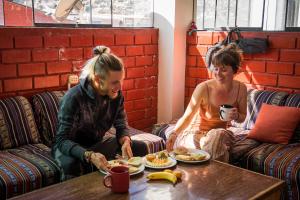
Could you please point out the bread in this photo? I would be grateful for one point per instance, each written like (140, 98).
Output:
(135, 161)
(133, 169)
(181, 150)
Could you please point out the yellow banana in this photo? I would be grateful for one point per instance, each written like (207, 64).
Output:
(162, 175)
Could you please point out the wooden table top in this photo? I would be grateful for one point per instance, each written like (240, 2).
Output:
(210, 180)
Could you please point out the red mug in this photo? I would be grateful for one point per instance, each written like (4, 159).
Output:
(118, 178)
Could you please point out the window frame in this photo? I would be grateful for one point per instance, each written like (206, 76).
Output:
(289, 28)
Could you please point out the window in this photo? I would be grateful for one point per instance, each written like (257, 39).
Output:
(1, 14)
(105, 13)
(248, 14)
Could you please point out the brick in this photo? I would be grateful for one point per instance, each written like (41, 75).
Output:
(87, 53)
(141, 83)
(298, 43)
(64, 79)
(289, 81)
(154, 37)
(16, 56)
(280, 67)
(28, 41)
(137, 72)
(135, 94)
(151, 71)
(141, 104)
(59, 67)
(243, 77)
(144, 124)
(46, 81)
(254, 66)
(71, 54)
(142, 39)
(135, 115)
(191, 60)
(6, 42)
(129, 61)
(151, 92)
(1, 88)
(194, 72)
(290, 55)
(197, 50)
(31, 69)
(81, 40)
(151, 49)
(191, 39)
(104, 39)
(128, 106)
(205, 39)
(124, 39)
(297, 69)
(7, 71)
(251, 86)
(152, 81)
(134, 50)
(143, 60)
(272, 54)
(56, 41)
(264, 79)
(190, 82)
(45, 55)
(279, 89)
(118, 50)
(128, 84)
(282, 42)
(11, 85)
(201, 61)
(151, 113)
(78, 65)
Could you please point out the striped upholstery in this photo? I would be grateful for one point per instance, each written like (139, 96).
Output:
(255, 100)
(277, 160)
(46, 106)
(17, 125)
(26, 168)
(293, 100)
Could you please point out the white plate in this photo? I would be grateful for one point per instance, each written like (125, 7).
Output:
(173, 163)
(197, 151)
(141, 169)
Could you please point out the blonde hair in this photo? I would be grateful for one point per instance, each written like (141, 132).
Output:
(102, 62)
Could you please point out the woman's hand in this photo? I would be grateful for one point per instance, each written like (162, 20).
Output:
(233, 114)
(171, 141)
(99, 161)
(126, 149)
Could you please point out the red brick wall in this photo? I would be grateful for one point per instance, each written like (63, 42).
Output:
(278, 69)
(38, 59)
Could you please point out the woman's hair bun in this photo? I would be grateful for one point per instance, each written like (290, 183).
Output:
(99, 50)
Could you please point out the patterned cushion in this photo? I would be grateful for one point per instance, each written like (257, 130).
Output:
(293, 100)
(25, 169)
(255, 100)
(277, 160)
(17, 125)
(46, 106)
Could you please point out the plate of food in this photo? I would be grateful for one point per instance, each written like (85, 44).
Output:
(134, 164)
(188, 155)
(159, 160)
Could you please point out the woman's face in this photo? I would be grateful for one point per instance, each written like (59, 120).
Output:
(223, 73)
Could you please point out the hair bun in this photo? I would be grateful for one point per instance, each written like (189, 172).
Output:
(99, 50)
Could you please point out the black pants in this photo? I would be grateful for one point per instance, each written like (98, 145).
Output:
(109, 147)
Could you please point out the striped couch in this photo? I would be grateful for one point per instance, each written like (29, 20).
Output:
(26, 133)
(277, 160)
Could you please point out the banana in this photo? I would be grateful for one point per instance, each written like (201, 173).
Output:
(162, 175)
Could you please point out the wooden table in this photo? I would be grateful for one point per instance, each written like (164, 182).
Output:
(210, 180)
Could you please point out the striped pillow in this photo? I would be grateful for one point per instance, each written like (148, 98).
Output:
(293, 100)
(255, 100)
(17, 125)
(46, 106)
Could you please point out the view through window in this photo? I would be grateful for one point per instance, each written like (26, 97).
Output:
(1, 14)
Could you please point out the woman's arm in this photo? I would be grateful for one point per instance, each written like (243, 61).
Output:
(242, 104)
(191, 109)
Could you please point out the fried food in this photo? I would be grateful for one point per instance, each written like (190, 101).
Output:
(135, 161)
(183, 157)
(150, 157)
(181, 150)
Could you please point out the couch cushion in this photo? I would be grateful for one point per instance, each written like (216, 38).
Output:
(46, 106)
(277, 160)
(293, 100)
(255, 100)
(17, 125)
(26, 168)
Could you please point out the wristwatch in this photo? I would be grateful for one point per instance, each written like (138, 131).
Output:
(88, 156)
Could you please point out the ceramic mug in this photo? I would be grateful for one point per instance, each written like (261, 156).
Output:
(117, 179)
(224, 112)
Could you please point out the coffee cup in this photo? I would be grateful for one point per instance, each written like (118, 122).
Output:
(117, 179)
(224, 112)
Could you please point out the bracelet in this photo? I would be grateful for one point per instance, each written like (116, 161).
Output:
(88, 156)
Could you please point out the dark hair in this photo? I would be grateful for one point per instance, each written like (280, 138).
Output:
(228, 55)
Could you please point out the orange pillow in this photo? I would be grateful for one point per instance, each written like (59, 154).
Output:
(275, 124)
